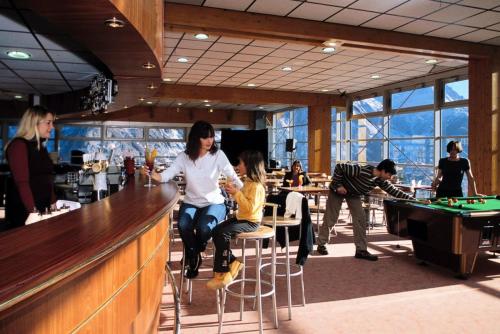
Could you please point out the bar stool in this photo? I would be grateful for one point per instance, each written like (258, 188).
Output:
(188, 282)
(286, 223)
(263, 232)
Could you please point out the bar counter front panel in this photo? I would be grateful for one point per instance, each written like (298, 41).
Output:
(99, 269)
(447, 236)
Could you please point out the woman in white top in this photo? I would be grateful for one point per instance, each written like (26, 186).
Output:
(203, 207)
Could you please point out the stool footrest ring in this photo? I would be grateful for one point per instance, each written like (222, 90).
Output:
(246, 280)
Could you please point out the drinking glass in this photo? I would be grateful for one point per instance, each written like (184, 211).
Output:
(150, 164)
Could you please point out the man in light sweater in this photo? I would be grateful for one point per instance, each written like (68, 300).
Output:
(350, 182)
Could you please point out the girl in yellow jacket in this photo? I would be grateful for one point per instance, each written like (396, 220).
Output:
(250, 201)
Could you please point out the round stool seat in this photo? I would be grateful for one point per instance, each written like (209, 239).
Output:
(263, 232)
(281, 221)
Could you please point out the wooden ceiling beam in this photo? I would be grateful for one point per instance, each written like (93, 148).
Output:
(252, 25)
(246, 95)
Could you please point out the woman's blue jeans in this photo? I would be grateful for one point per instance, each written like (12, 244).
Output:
(196, 225)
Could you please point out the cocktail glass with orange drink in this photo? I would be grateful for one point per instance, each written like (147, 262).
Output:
(150, 156)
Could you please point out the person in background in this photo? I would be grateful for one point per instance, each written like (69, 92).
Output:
(350, 182)
(203, 206)
(30, 187)
(296, 175)
(448, 181)
(250, 199)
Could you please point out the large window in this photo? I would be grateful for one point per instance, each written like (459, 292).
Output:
(413, 129)
(291, 124)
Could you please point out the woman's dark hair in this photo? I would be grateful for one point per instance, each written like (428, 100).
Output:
(254, 163)
(454, 144)
(297, 162)
(200, 129)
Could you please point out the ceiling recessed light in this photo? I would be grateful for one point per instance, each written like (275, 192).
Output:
(286, 68)
(261, 107)
(375, 76)
(149, 102)
(201, 36)
(182, 60)
(210, 110)
(206, 101)
(431, 61)
(179, 103)
(325, 90)
(114, 23)
(167, 79)
(148, 65)
(208, 105)
(152, 86)
(18, 54)
(328, 49)
(141, 99)
(18, 96)
(251, 85)
(125, 107)
(330, 42)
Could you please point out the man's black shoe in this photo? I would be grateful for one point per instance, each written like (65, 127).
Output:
(321, 250)
(363, 254)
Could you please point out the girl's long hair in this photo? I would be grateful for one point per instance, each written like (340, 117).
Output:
(254, 163)
(28, 126)
(200, 129)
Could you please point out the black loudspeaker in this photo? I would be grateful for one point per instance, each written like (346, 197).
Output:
(290, 145)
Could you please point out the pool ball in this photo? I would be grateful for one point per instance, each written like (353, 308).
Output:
(454, 200)
(450, 204)
(484, 201)
(472, 201)
(460, 206)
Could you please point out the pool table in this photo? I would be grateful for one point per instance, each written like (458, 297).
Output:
(445, 235)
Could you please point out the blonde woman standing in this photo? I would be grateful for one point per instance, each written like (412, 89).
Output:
(30, 186)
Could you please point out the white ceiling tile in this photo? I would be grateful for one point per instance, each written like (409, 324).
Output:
(229, 69)
(339, 3)
(482, 20)
(218, 55)
(256, 50)
(274, 60)
(351, 17)
(170, 42)
(264, 66)
(226, 47)
(65, 56)
(228, 4)
(311, 11)
(39, 74)
(188, 53)
(338, 58)
(244, 57)
(417, 8)
(234, 40)
(280, 8)
(352, 52)
(376, 6)
(495, 27)
(450, 31)
(173, 34)
(452, 14)
(197, 45)
(420, 27)
(405, 58)
(387, 22)
(77, 68)
(29, 65)
(236, 63)
(486, 4)
(18, 40)
(267, 44)
(286, 53)
(313, 56)
(364, 61)
(197, 72)
(210, 61)
(9, 20)
(297, 47)
(381, 55)
(479, 35)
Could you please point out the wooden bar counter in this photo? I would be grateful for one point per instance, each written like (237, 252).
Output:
(99, 269)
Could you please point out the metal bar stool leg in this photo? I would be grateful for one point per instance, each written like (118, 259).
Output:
(243, 276)
(258, 259)
(288, 283)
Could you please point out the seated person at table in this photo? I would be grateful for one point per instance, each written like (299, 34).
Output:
(451, 171)
(296, 176)
(250, 201)
(350, 182)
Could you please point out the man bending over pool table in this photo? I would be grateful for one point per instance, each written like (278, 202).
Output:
(350, 182)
